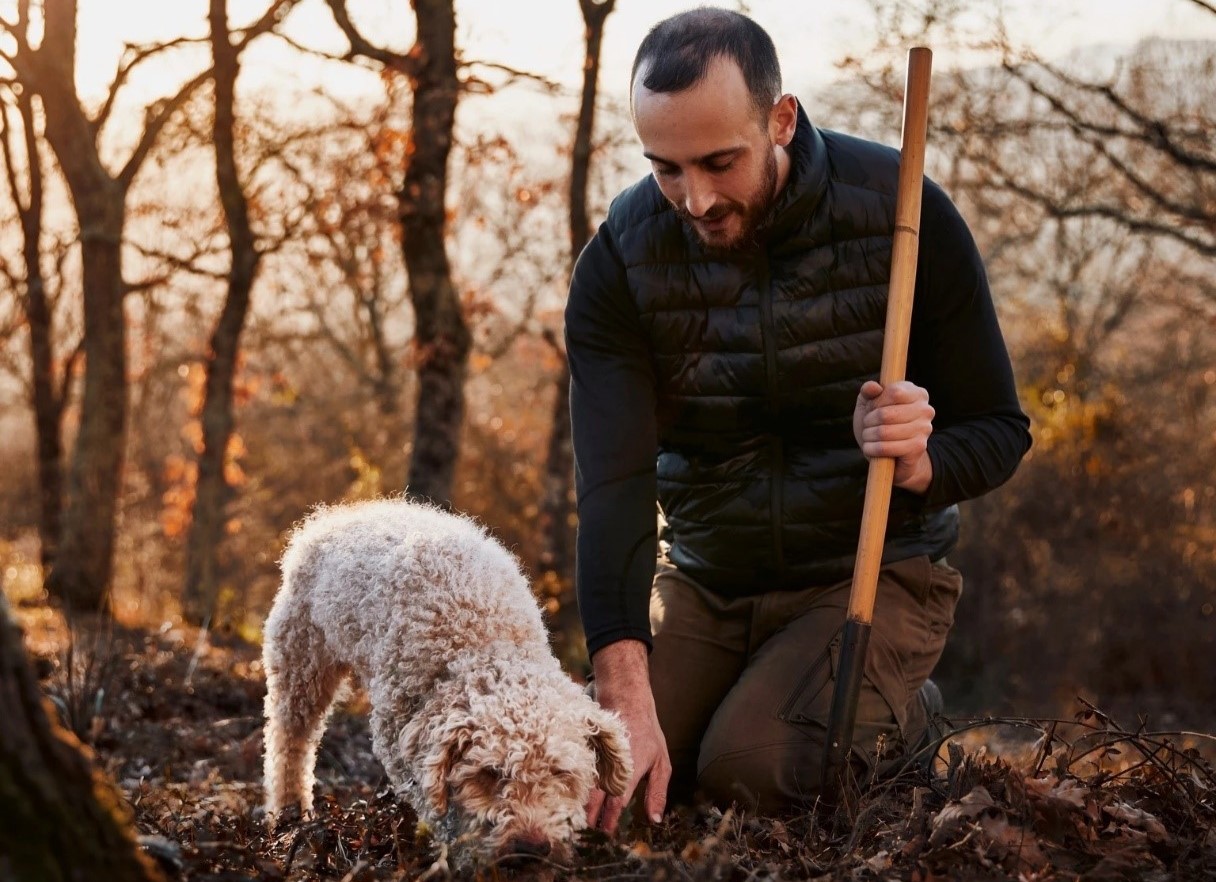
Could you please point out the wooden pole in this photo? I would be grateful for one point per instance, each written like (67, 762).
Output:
(905, 244)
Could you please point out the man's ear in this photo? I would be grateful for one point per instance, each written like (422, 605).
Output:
(783, 120)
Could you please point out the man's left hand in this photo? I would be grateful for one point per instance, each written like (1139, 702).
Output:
(896, 422)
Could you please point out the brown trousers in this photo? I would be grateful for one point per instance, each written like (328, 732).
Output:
(743, 686)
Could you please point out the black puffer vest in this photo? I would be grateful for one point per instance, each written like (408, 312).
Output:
(758, 358)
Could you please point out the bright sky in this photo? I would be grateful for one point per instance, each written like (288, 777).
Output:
(545, 36)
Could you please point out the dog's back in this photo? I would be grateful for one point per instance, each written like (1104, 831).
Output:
(372, 568)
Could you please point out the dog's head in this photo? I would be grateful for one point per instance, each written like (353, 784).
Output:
(513, 778)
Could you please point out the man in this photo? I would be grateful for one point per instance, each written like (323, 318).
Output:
(724, 332)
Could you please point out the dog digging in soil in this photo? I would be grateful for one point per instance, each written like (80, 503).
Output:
(474, 721)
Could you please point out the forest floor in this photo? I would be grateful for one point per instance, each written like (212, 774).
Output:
(174, 716)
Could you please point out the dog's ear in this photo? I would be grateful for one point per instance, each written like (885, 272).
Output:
(609, 741)
(449, 749)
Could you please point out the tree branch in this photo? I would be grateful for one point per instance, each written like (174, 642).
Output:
(132, 57)
(158, 116)
(1113, 212)
(275, 14)
(1153, 132)
(308, 50)
(182, 264)
(359, 45)
(551, 87)
(1189, 212)
(6, 145)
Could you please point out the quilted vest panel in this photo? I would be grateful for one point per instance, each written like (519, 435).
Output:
(758, 358)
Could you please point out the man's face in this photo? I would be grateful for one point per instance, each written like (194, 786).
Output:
(713, 157)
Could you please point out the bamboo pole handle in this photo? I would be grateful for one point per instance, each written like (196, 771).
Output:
(899, 320)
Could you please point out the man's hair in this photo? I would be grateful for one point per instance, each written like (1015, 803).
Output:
(679, 50)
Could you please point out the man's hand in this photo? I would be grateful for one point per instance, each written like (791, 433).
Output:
(622, 684)
(896, 422)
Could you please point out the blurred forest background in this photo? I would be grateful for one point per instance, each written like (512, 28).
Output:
(222, 304)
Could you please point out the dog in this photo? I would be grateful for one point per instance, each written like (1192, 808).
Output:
(475, 723)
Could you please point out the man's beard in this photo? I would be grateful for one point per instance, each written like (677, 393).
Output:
(754, 213)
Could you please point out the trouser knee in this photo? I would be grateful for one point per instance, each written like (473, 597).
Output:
(768, 779)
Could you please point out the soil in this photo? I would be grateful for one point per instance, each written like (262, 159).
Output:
(174, 716)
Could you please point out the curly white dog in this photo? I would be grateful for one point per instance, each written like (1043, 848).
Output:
(472, 717)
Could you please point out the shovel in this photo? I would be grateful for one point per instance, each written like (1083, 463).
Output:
(856, 635)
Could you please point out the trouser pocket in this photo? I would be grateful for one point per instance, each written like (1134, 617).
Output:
(884, 694)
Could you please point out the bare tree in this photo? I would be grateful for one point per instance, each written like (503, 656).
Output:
(442, 340)
(60, 819)
(80, 573)
(212, 491)
(48, 393)
(83, 563)
(558, 506)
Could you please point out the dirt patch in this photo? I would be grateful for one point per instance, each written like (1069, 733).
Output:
(175, 717)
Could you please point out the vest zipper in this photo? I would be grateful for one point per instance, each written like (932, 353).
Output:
(768, 333)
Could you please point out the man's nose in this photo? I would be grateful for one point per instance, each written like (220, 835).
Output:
(699, 196)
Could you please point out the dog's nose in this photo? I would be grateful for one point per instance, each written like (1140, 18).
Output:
(527, 849)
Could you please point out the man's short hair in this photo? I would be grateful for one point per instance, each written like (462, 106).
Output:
(679, 50)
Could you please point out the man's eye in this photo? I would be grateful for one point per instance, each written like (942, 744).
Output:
(665, 172)
(721, 166)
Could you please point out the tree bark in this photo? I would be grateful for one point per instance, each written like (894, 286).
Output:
(558, 506)
(203, 570)
(80, 571)
(442, 339)
(83, 563)
(60, 819)
(46, 401)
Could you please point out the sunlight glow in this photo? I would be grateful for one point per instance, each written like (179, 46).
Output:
(809, 37)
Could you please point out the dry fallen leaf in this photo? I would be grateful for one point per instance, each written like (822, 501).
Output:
(951, 819)
(1138, 820)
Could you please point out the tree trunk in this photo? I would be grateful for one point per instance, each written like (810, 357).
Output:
(442, 339)
(60, 819)
(212, 490)
(46, 402)
(80, 573)
(48, 407)
(558, 507)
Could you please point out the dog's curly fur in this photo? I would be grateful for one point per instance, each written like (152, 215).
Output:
(472, 717)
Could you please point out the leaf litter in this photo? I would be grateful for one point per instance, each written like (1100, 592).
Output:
(180, 731)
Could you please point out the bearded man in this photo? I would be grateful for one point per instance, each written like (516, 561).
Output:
(724, 331)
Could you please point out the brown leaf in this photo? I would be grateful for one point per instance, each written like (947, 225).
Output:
(1138, 820)
(951, 819)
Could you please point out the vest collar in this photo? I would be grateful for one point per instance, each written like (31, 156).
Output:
(808, 179)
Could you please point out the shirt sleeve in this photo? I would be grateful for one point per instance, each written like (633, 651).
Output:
(612, 412)
(957, 353)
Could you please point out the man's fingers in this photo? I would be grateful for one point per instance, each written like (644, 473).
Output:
(595, 804)
(894, 414)
(896, 432)
(896, 393)
(613, 807)
(870, 390)
(656, 790)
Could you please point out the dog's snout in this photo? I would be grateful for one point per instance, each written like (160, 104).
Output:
(523, 849)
